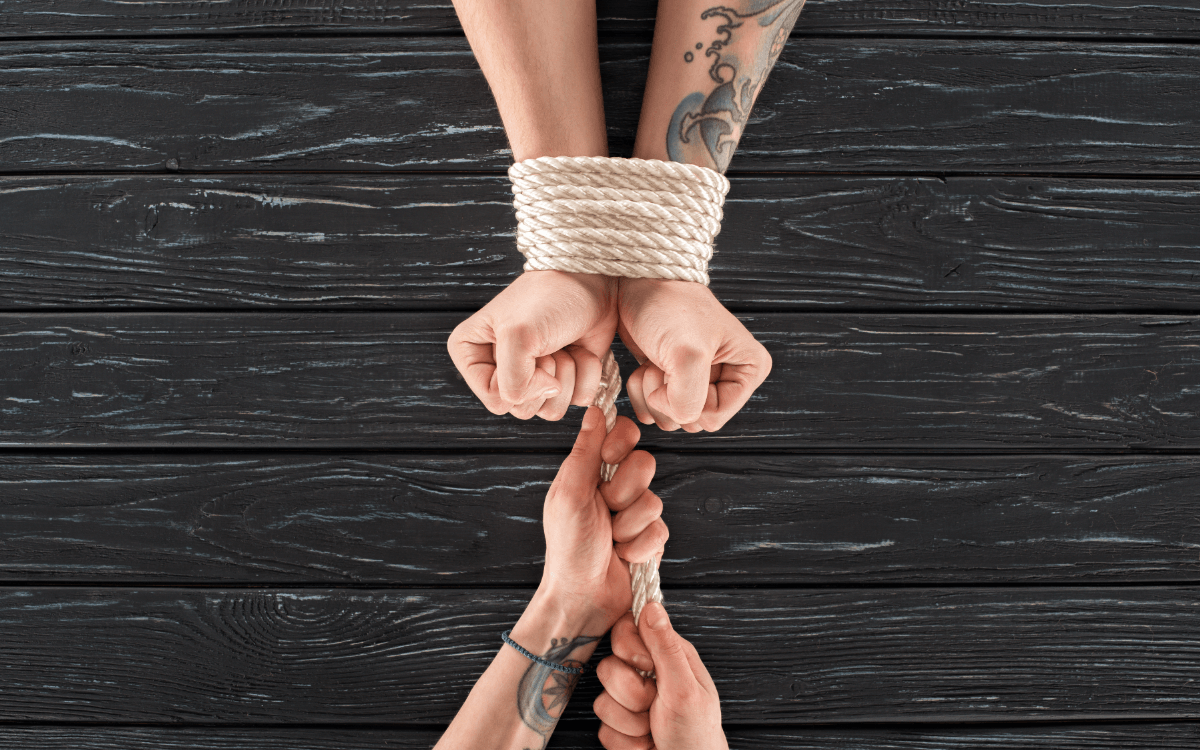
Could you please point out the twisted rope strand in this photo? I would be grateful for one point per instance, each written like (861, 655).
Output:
(645, 581)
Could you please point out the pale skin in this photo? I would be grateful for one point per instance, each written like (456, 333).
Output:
(593, 530)
(676, 710)
(535, 348)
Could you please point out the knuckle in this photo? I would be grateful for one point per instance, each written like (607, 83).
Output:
(661, 533)
(524, 334)
(553, 413)
(496, 407)
(765, 362)
(653, 504)
(645, 460)
(685, 354)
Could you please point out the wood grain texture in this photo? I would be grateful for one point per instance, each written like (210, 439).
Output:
(734, 520)
(413, 104)
(384, 380)
(440, 241)
(1139, 736)
(22, 18)
(777, 656)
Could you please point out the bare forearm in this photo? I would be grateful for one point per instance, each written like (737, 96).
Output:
(542, 63)
(708, 64)
(517, 703)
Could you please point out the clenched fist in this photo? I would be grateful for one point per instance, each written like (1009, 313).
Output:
(699, 364)
(536, 347)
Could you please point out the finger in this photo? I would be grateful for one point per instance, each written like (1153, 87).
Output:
(611, 739)
(698, 668)
(631, 480)
(627, 644)
(587, 375)
(472, 353)
(626, 686)
(654, 381)
(634, 519)
(618, 717)
(580, 473)
(637, 395)
(709, 414)
(646, 545)
(671, 667)
(518, 378)
(734, 385)
(686, 388)
(555, 408)
(527, 409)
(624, 436)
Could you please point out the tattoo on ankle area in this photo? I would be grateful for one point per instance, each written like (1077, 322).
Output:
(705, 130)
(543, 692)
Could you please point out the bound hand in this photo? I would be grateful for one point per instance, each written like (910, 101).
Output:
(536, 347)
(679, 712)
(699, 364)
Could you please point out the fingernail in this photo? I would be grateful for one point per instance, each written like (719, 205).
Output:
(642, 662)
(655, 616)
(550, 393)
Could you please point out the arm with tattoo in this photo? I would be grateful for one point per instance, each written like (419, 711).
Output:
(706, 68)
(517, 702)
(585, 588)
(708, 64)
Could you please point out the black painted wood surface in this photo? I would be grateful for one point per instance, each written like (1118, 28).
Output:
(431, 519)
(776, 655)
(364, 103)
(19, 18)
(1129, 736)
(419, 242)
(276, 308)
(384, 380)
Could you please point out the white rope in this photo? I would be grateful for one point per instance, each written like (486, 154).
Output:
(636, 218)
(644, 575)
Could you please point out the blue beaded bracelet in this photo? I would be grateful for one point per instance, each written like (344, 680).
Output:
(540, 660)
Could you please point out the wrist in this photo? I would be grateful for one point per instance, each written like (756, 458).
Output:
(555, 615)
(596, 283)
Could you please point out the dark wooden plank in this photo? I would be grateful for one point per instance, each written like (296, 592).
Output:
(384, 380)
(735, 520)
(777, 656)
(412, 104)
(1139, 736)
(439, 241)
(23, 18)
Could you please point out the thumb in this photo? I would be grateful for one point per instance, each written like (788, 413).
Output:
(683, 396)
(518, 378)
(580, 473)
(671, 667)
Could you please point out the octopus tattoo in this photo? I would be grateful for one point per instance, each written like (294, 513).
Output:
(716, 121)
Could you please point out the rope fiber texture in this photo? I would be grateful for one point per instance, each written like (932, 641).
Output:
(636, 218)
(645, 574)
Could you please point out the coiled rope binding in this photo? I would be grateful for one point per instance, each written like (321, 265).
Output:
(636, 218)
